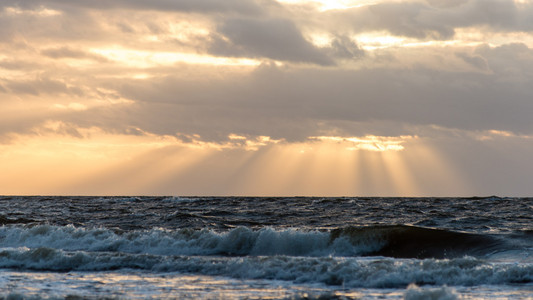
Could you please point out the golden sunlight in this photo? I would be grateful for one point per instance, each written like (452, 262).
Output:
(378, 40)
(58, 159)
(146, 59)
(369, 142)
(333, 4)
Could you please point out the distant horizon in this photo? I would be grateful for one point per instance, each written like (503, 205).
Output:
(258, 196)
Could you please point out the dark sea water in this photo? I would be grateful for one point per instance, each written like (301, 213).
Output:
(265, 248)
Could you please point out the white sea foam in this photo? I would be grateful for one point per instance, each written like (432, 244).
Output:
(239, 241)
(341, 271)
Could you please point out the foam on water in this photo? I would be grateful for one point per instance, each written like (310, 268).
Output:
(343, 271)
(239, 241)
(391, 241)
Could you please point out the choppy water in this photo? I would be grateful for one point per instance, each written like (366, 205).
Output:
(256, 248)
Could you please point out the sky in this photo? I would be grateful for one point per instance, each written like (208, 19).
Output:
(266, 97)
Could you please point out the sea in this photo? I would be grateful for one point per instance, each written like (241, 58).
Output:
(265, 248)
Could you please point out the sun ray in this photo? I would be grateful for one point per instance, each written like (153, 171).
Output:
(142, 164)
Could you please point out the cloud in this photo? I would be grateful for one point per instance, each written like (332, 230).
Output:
(476, 61)
(409, 20)
(402, 19)
(515, 60)
(277, 39)
(481, 88)
(57, 127)
(205, 6)
(37, 86)
(16, 64)
(68, 52)
(439, 20)
(446, 3)
(28, 26)
(296, 102)
(345, 48)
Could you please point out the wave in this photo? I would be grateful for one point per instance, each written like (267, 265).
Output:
(350, 256)
(5, 220)
(389, 241)
(417, 242)
(238, 241)
(338, 271)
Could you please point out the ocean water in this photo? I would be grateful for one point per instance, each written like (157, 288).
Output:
(265, 248)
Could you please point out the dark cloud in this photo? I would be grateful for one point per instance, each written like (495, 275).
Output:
(277, 39)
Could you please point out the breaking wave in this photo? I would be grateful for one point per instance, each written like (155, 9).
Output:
(389, 241)
(375, 256)
(348, 272)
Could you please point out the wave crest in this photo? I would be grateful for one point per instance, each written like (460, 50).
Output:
(403, 241)
(238, 241)
(390, 241)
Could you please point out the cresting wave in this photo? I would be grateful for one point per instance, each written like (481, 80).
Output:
(237, 242)
(390, 241)
(418, 242)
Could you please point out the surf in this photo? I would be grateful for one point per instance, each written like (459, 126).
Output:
(396, 241)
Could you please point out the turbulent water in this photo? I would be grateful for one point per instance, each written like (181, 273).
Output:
(273, 248)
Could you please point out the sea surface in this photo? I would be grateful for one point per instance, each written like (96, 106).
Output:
(265, 248)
